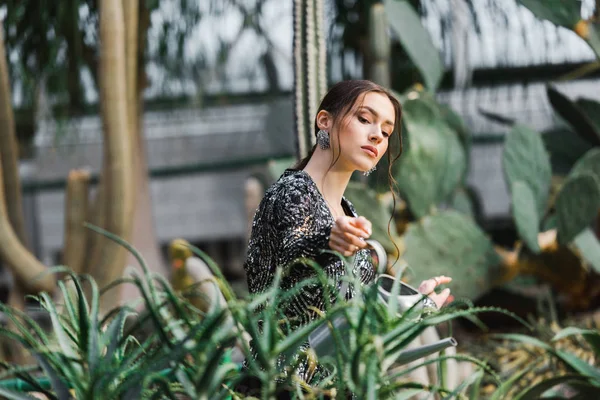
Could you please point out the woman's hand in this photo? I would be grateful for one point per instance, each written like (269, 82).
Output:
(428, 286)
(348, 234)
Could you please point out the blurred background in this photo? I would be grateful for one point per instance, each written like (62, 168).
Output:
(217, 86)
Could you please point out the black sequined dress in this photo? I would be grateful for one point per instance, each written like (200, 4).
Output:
(294, 221)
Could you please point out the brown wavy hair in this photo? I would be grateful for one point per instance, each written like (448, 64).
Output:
(341, 99)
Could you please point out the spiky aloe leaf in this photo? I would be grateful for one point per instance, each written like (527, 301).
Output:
(589, 247)
(574, 115)
(525, 159)
(592, 336)
(450, 243)
(576, 206)
(536, 391)
(573, 361)
(525, 214)
(416, 41)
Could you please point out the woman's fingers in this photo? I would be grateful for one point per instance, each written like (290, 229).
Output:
(440, 298)
(348, 234)
(428, 286)
(364, 224)
(338, 243)
(346, 224)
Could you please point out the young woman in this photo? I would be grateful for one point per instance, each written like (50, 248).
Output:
(305, 211)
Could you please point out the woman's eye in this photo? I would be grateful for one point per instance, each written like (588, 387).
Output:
(363, 120)
(385, 134)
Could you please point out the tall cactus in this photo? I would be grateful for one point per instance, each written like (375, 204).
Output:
(310, 77)
(379, 46)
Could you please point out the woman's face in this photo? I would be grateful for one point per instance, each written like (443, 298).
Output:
(364, 133)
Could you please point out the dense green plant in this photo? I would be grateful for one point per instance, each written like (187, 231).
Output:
(555, 358)
(171, 349)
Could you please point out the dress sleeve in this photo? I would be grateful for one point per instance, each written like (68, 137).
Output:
(302, 229)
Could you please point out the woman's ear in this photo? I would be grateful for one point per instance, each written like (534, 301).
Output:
(324, 120)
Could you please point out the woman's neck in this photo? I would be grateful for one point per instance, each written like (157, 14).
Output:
(331, 182)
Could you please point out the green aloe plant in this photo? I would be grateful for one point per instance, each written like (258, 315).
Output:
(170, 349)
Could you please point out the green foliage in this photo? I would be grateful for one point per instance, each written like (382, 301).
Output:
(580, 115)
(450, 241)
(525, 159)
(525, 214)
(589, 163)
(406, 24)
(169, 349)
(589, 247)
(576, 205)
(582, 376)
(565, 13)
(434, 162)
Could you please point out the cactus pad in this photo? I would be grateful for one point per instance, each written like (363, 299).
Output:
(590, 162)
(435, 161)
(525, 159)
(525, 215)
(450, 243)
(589, 248)
(576, 205)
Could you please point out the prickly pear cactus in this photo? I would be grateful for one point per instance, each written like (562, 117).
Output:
(590, 162)
(588, 246)
(525, 159)
(576, 206)
(525, 214)
(450, 243)
(434, 162)
(367, 204)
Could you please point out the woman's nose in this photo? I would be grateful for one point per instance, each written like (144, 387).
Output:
(376, 136)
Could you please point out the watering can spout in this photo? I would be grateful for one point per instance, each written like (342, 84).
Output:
(423, 351)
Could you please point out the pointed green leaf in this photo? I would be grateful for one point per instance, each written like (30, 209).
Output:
(574, 115)
(57, 384)
(579, 365)
(14, 395)
(416, 41)
(535, 392)
(565, 13)
(592, 336)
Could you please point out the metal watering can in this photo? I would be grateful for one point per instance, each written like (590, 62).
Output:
(322, 341)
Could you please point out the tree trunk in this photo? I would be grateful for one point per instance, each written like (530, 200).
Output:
(76, 210)
(143, 235)
(24, 265)
(109, 259)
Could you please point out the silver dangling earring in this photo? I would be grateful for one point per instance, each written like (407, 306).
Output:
(323, 139)
(369, 172)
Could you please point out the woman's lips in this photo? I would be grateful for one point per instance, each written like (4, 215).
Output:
(372, 151)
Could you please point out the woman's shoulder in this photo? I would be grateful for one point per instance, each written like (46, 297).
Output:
(291, 184)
